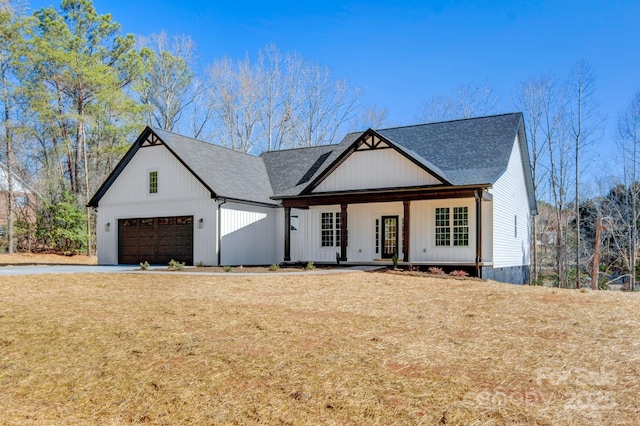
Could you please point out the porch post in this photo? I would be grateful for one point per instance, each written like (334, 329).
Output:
(405, 230)
(343, 232)
(287, 234)
(478, 194)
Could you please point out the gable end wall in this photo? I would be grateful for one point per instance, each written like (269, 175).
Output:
(510, 201)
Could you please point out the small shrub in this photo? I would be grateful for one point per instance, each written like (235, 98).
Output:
(458, 273)
(274, 267)
(412, 268)
(309, 266)
(394, 259)
(174, 265)
(227, 268)
(435, 270)
(200, 264)
(144, 265)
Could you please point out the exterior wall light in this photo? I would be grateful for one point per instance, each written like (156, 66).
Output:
(200, 223)
(107, 226)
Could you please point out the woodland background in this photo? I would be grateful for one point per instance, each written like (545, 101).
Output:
(76, 92)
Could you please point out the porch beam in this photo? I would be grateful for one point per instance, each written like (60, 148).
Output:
(376, 197)
(343, 232)
(287, 234)
(405, 230)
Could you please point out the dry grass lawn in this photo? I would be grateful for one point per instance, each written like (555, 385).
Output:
(46, 259)
(349, 349)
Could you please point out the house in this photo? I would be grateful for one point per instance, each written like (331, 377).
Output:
(24, 200)
(455, 194)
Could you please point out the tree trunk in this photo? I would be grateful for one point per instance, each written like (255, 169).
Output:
(9, 154)
(595, 265)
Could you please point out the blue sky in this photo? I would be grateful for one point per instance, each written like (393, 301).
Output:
(402, 53)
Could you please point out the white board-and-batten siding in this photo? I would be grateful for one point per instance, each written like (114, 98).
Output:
(375, 168)
(179, 194)
(361, 225)
(251, 235)
(511, 214)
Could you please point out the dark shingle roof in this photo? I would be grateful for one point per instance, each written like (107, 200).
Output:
(228, 173)
(291, 170)
(463, 152)
(470, 151)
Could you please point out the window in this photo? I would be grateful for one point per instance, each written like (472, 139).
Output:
(330, 229)
(443, 230)
(460, 226)
(21, 201)
(459, 230)
(377, 236)
(327, 230)
(294, 223)
(153, 182)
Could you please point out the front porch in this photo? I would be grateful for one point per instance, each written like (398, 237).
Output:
(424, 227)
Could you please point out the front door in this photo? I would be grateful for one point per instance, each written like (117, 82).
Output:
(389, 236)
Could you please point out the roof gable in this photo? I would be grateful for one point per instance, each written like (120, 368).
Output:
(370, 141)
(375, 164)
(225, 173)
(469, 151)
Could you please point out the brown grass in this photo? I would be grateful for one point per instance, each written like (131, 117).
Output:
(359, 348)
(46, 259)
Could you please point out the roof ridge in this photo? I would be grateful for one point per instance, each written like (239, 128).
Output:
(204, 142)
(449, 121)
(304, 147)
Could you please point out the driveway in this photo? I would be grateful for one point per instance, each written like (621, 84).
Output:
(81, 269)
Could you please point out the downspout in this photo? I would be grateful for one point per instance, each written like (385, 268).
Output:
(478, 196)
(220, 231)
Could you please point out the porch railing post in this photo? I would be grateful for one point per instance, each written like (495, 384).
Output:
(343, 232)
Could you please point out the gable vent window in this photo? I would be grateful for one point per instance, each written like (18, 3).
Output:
(153, 182)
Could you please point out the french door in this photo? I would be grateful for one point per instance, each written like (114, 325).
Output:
(389, 236)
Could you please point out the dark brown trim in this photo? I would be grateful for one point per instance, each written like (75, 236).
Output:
(405, 229)
(381, 196)
(478, 234)
(287, 234)
(343, 232)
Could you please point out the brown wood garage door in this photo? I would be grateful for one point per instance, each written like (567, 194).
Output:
(155, 240)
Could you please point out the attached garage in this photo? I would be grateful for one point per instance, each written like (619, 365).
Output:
(155, 240)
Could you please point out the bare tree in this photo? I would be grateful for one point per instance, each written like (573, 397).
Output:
(531, 100)
(470, 100)
(281, 101)
(629, 140)
(584, 123)
(322, 105)
(371, 117)
(236, 103)
(168, 85)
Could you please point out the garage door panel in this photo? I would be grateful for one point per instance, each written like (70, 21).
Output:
(156, 240)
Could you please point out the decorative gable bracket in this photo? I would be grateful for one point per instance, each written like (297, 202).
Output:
(372, 142)
(151, 140)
